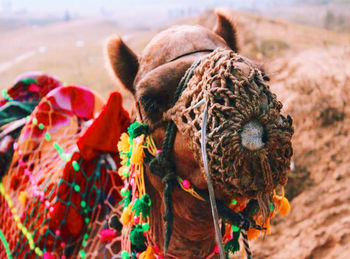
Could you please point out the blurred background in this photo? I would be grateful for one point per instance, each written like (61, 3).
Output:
(303, 45)
(66, 37)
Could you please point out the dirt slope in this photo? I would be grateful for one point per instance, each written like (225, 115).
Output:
(314, 85)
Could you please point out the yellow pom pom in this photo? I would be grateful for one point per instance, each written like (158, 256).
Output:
(121, 171)
(137, 151)
(148, 254)
(127, 215)
(23, 197)
(284, 206)
(123, 144)
(253, 233)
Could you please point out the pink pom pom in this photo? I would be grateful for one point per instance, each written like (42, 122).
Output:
(136, 220)
(107, 235)
(48, 255)
(216, 249)
(186, 184)
(58, 232)
(156, 249)
(159, 151)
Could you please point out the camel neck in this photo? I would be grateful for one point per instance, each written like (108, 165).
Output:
(193, 233)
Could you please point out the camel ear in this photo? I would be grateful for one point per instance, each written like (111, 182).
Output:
(226, 28)
(124, 62)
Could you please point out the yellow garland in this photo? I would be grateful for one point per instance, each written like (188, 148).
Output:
(20, 226)
(134, 166)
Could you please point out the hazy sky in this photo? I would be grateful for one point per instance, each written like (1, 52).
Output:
(91, 7)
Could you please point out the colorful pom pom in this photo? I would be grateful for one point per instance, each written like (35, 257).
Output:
(148, 254)
(127, 216)
(252, 233)
(284, 207)
(142, 206)
(137, 151)
(186, 184)
(124, 255)
(137, 238)
(107, 235)
(123, 144)
(232, 246)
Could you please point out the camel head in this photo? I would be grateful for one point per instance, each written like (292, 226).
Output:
(249, 140)
(153, 77)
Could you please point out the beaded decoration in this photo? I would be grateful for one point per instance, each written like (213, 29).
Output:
(134, 147)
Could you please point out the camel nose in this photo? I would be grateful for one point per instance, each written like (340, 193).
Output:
(252, 135)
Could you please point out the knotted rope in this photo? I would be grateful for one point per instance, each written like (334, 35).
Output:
(237, 97)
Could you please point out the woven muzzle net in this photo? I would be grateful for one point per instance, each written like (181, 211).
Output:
(248, 140)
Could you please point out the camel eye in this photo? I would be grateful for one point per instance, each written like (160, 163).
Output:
(150, 104)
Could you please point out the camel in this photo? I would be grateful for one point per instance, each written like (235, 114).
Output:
(153, 78)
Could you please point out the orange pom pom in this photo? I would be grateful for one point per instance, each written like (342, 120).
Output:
(127, 215)
(252, 233)
(148, 254)
(284, 206)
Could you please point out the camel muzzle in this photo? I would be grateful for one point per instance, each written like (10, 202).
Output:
(252, 136)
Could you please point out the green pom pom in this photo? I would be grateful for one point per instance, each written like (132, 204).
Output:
(57, 147)
(6, 96)
(75, 165)
(47, 136)
(126, 173)
(83, 204)
(127, 199)
(235, 228)
(82, 253)
(136, 129)
(77, 188)
(124, 255)
(29, 81)
(142, 206)
(145, 227)
(124, 192)
(272, 207)
(232, 246)
(137, 238)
